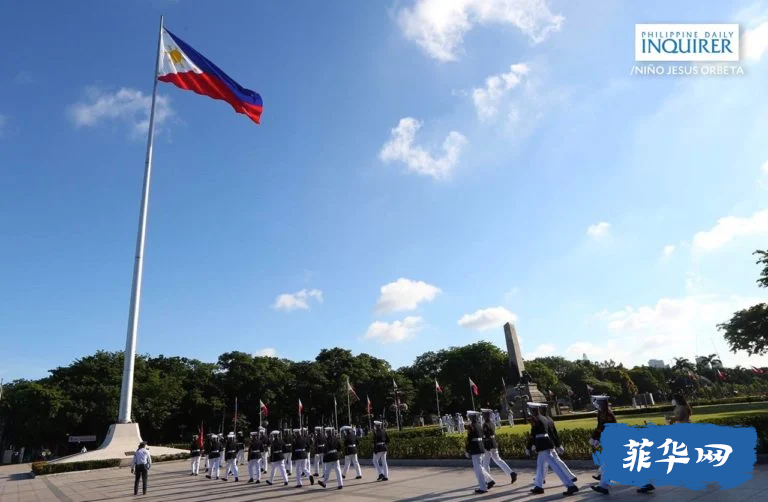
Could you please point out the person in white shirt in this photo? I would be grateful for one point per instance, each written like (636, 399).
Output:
(140, 467)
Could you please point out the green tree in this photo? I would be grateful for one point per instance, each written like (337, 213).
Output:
(747, 330)
(545, 377)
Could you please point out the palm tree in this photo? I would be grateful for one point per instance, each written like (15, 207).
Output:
(683, 365)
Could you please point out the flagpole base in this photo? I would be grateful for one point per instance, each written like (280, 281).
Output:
(121, 441)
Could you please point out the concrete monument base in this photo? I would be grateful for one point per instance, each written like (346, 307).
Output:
(121, 442)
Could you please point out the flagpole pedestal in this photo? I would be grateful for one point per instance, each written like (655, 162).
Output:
(121, 442)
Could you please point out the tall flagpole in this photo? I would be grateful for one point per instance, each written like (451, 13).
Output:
(126, 391)
(471, 394)
(349, 410)
(437, 397)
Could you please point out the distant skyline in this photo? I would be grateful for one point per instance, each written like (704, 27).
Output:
(425, 171)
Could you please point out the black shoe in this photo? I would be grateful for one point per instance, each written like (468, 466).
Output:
(381, 476)
(481, 491)
(268, 482)
(237, 479)
(358, 477)
(600, 489)
(208, 476)
(321, 484)
(491, 484)
(571, 491)
(297, 486)
(343, 476)
(574, 479)
(257, 481)
(513, 477)
(311, 480)
(316, 475)
(223, 479)
(341, 487)
(250, 480)
(646, 489)
(285, 483)
(191, 473)
(537, 490)
(597, 477)
(385, 479)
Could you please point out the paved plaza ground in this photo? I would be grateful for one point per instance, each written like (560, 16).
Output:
(171, 482)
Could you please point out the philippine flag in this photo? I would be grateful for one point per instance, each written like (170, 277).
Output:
(184, 67)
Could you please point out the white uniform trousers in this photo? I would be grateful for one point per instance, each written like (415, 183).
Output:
(301, 467)
(278, 466)
(240, 458)
(288, 463)
(232, 468)
(494, 454)
(215, 463)
(380, 463)
(254, 467)
(547, 458)
(483, 477)
(319, 467)
(604, 483)
(264, 461)
(195, 464)
(207, 462)
(349, 461)
(332, 466)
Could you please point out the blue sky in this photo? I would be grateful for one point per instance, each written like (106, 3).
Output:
(424, 171)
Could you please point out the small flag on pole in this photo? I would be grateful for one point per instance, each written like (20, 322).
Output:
(351, 391)
(757, 371)
(721, 376)
(184, 67)
(301, 407)
(590, 388)
(263, 408)
(475, 390)
(369, 405)
(200, 436)
(437, 387)
(394, 384)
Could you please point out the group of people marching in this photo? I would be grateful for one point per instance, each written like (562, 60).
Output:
(290, 451)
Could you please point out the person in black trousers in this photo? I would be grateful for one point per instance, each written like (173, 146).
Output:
(140, 467)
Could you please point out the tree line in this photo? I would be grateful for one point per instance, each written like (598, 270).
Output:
(174, 395)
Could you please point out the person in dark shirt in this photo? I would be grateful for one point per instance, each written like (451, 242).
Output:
(544, 410)
(350, 452)
(277, 459)
(214, 453)
(255, 449)
(492, 447)
(380, 442)
(604, 416)
(331, 458)
(194, 454)
(543, 440)
(288, 450)
(318, 445)
(475, 448)
(301, 456)
(230, 455)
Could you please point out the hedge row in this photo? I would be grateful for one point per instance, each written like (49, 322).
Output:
(512, 445)
(42, 468)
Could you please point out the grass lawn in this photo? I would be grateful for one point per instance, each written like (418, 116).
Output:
(700, 413)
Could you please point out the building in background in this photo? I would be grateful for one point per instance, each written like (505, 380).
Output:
(656, 363)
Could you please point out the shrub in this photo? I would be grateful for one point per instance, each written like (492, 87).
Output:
(512, 445)
(42, 468)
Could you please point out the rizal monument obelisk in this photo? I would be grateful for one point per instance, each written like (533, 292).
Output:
(520, 387)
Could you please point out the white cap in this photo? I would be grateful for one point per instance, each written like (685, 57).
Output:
(318, 428)
(231, 435)
(485, 410)
(275, 433)
(532, 404)
(254, 433)
(600, 398)
(345, 427)
(296, 430)
(329, 429)
(472, 413)
(262, 429)
(377, 422)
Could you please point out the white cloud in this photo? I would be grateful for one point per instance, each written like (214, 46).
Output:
(267, 352)
(439, 26)
(487, 319)
(598, 230)
(127, 105)
(673, 327)
(405, 294)
(396, 331)
(544, 350)
(3, 124)
(730, 228)
(668, 250)
(299, 300)
(401, 148)
(487, 99)
(755, 42)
